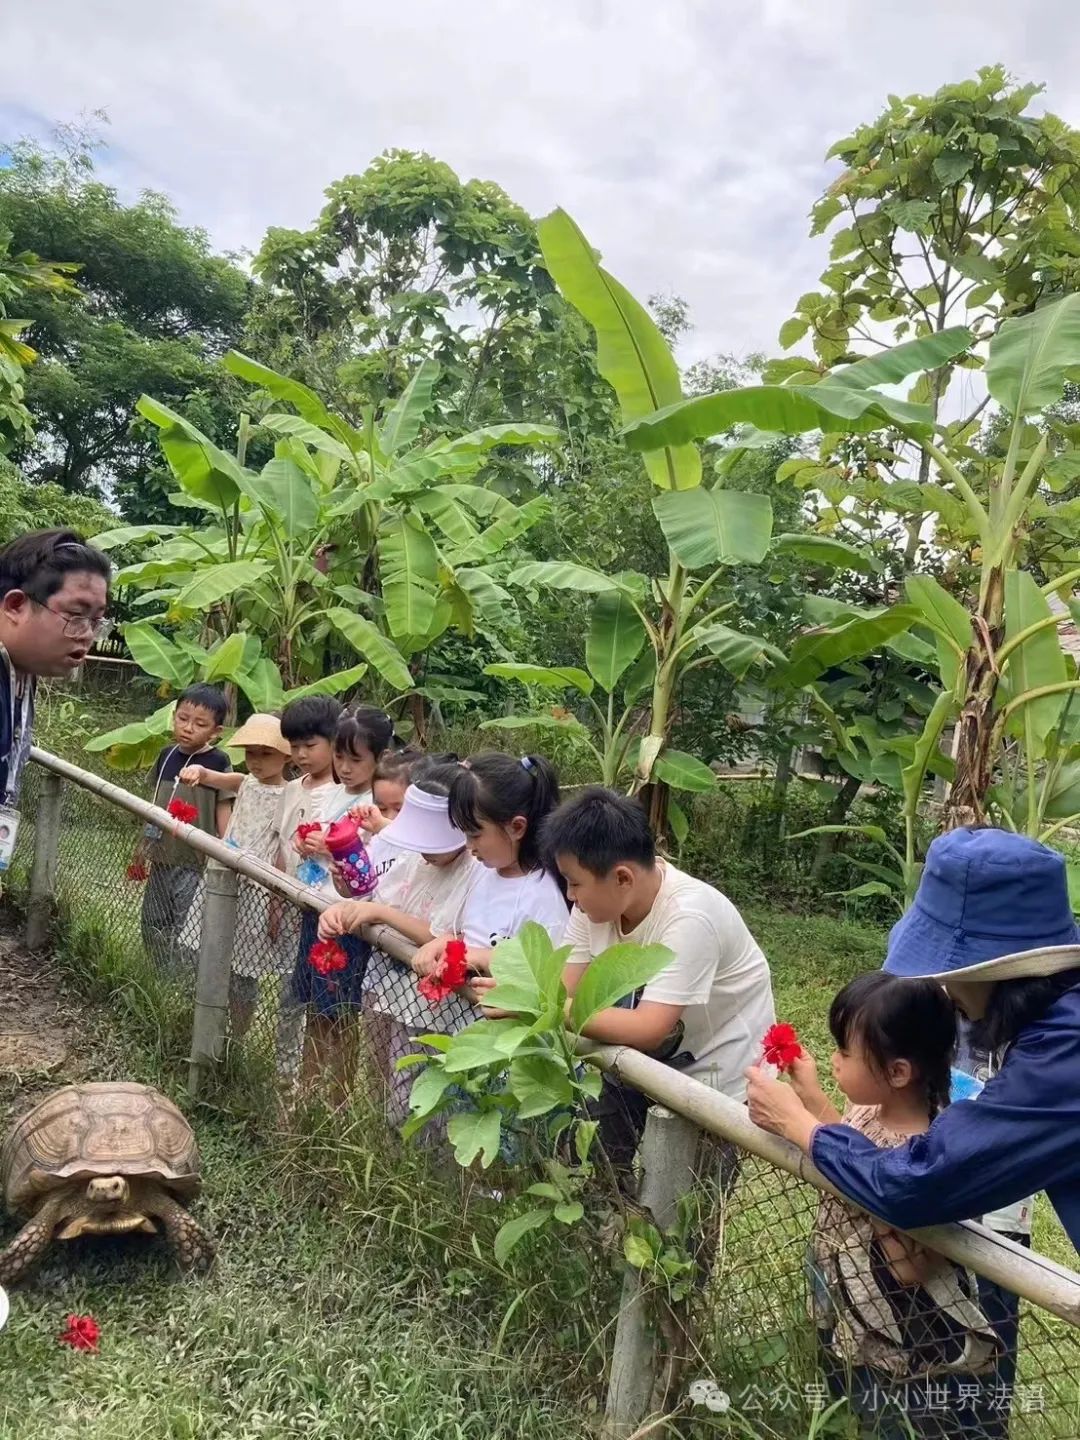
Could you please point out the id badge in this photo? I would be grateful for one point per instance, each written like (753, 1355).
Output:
(9, 830)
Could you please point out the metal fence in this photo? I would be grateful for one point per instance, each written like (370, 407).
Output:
(750, 1363)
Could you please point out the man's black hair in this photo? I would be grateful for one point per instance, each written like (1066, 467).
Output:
(315, 716)
(207, 697)
(600, 829)
(38, 562)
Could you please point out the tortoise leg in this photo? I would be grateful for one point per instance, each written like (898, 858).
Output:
(30, 1243)
(189, 1242)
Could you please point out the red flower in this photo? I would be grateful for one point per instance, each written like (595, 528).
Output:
(306, 828)
(181, 810)
(449, 975)
(782, 1046)
(327, 957)
(137, 871)
(82, 1333)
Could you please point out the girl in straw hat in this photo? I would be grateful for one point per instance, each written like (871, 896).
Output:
(266, 753)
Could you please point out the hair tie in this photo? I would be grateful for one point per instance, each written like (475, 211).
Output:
(526, 763)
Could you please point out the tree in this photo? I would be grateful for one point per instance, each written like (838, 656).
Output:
(21, 275)
(957, 206)
(154, 311)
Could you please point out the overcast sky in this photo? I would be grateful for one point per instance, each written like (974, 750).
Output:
(685, 136)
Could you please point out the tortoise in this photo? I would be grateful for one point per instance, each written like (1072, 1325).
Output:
(101, 1159)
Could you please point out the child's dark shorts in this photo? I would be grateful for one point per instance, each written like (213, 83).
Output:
(328, 995)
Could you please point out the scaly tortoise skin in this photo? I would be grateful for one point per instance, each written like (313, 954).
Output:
(101, 1159)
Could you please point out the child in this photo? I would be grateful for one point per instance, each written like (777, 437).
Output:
(706, 1012)
(892, 1318)
(175, 868)
(423, 896)
(333, 1001)
(251, 829)
(500, 803)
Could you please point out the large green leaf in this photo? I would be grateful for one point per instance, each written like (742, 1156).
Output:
(502, 530)
(367, 640)
(490, 603)
(313, 435)
(157, 656)
(824, 550)
(542, 720)
(539, 1083)
(615, 638)
(891, 366)
(735, 650)
(515, 1230)
(616, 972)
(1038, 661)
(786, 409)
(947, 618)
(1030, 355)
(555, 677)
(261, 683)
(129, 534)
(710, 527)
(214, 582)
(631, 354)
(203, 469)
(283, 487)
(684, 772)
(409, 568)
(821, 650)
(307, 403)
(137, 732)
(227, 660)
(328, 684)
(640, 677)
(564, 575)
(478, 442)
(402, 423)
(474, 1133)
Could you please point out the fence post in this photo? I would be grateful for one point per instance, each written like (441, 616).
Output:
(669, 1149)
(40, 906)
(212, 981)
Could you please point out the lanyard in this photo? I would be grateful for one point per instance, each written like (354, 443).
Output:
(19, 718)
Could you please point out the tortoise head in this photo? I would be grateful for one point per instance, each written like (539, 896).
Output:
(107, 1191)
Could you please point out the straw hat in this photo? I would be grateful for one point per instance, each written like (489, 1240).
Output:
(423, 825)
(990, 906)
(260, 730)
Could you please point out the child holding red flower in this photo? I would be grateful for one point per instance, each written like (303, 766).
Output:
(172, 868)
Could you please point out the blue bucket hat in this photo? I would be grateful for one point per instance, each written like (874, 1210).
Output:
(990, 906)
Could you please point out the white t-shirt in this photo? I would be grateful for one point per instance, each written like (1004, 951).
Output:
(326, 803)
(434, 894)
(499, 905)
(301, 804)
(719, 974)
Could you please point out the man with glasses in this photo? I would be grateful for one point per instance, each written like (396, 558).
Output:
(53, 592)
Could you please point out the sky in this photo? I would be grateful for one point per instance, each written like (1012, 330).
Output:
(686, 137)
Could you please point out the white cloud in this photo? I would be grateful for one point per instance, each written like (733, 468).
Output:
(686, 138)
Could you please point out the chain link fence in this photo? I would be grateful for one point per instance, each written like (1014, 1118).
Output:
(752, 1363)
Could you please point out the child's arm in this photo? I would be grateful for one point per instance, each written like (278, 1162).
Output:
(646, 1027)
(909, 1262)
(227, 780)
(222, 815)
(351, 915)
(805, 1083)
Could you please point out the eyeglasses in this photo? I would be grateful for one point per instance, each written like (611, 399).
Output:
(80, 627)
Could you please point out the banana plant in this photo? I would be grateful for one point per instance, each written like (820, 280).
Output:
(365, 540)
(657, 629)
(1003, 678)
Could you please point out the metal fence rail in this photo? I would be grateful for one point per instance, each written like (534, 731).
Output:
(228, 969)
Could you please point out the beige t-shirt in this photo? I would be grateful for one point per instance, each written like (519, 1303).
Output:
(719, 974)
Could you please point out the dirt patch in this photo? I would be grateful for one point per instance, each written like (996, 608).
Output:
(37, 1022)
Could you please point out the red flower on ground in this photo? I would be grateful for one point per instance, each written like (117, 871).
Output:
(449, 975)
(137, 871)
(327, 957)
(782, 1046)
(182, 810)
(82, 1333)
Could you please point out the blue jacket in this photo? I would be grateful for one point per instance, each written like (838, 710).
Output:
(1020, 1135)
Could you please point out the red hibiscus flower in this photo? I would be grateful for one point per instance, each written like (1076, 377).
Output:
(137, 871)
(181, 810)
(327, 957)
(306, 828)
(449, 975)
(82, 1333)
(782, 1046)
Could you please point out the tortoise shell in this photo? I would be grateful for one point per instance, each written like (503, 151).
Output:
(109, 1128)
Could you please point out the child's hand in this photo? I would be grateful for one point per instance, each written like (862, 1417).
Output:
(775, 1106)
(369, 818)
(312, 844)
(346, 918)
(476, 990)
(192, 775)
(804, 1076)
(428, 956)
